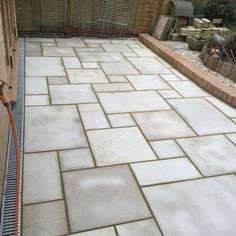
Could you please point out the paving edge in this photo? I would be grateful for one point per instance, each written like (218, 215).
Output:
(204, 80)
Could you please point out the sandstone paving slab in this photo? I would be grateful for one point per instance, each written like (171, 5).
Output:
(162, 125)
(130, 54)
(30, 46)
(44, 66)
(58, 51)
(97, 41)
(202, 116)
(147, 82)
(36, 85)
(121, 120)
(45, 219)
(113, 87)
(120, 145)
(53, 128)
(122, 102)
(139, 228)
(57, 80)
(33, 53)
(93, 116)
(75, 159)
(37, 100)
(226, 109)
(117, 78)
(169, 94)
(116, 48)
(41, 186)
(232, 137)
(99, 232)
(188, 89)
(101, 57)
(167, 149)
(198, 207)
(72, 94)
(89, 49)
(86, 76)
(156, 172)
(72, 42)
(91, 65)
(122, 68)
(41, 40)
(71, 62)
(92, 192)
(93, 45)
(213, 155)
(144, 52)
(170, 77)
(52, 44)
(149, 66)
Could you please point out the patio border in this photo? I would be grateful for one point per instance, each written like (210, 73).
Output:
(204, 80)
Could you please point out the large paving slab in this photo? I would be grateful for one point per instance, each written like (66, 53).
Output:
(121, 102)
(121, 68)
(101, 57)
(72, 94)
(102, 197)
(202, 116)
(199, 207)
(45, 219)
(40, 186)
(58, 51)
(213, 155)
(44, 66)
(53, 128)
(87, 76)
(116, 146)
(162, 125)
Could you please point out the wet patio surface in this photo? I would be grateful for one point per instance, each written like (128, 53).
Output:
(118, 143)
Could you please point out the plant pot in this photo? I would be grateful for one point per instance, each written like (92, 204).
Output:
(195, 44)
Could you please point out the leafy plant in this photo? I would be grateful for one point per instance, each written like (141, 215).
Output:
(202, 36)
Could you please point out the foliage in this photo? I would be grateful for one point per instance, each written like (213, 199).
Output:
(202, 36)
(225, 9)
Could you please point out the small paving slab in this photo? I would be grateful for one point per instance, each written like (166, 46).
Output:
(101, 57)
(58, 51)
(111, 191)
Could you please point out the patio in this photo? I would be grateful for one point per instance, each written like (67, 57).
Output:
(119, 143)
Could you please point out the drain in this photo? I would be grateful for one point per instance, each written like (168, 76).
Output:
(9, 195)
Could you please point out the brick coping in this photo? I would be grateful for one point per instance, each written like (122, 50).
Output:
(204, 80)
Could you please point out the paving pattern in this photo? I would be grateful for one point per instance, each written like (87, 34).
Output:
(119, 143)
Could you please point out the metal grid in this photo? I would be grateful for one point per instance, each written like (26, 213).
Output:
(9, 195)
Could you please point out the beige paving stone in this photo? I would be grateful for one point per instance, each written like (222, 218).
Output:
(45, 219)
(149, 66)
(163, 62)
(49, 44)
(75, 159)
(202, 116)
(116, 48)
(46, 129)
(87, 76)
(226, 109)
(117, 78)
(134, 45)
(130, 54)
(123, 41)
(93, 116)
(123, 102)
(199, 207)
(177, 73)
(121, 120)
(139, 228)
(93, 45)
(42, 181)
(147, 82)
(114, 87)
(169, 94)
(40, 40)
(121, 145)
(101, 57)
(44, 66)
(72, 94)
(35, 47)
(33, 54)
(72, 42)
(170, 77)
(37, 100)
(57, 80)
(213, 155)
(97, 41)
(99, 232)
(162, 125)
(92, 65)
(144, 52)
(71, 63)
(156, 172)
(58, 51)
(123, 68)
(36, 85)
(97, 190)
(232, 137)
(167, 149)
(188, 89)
(89, 50)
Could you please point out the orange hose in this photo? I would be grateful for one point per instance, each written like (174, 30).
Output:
(17, 147)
